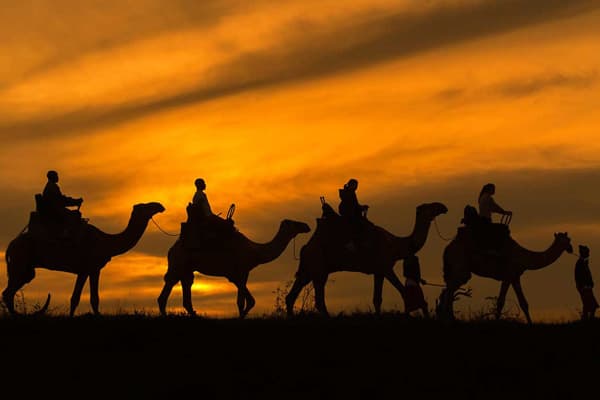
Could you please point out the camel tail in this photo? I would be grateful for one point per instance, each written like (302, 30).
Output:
(44, 308)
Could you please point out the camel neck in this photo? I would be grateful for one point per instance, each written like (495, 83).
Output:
(122, 242)
(267, 252)
(414, 242)
(533, 260)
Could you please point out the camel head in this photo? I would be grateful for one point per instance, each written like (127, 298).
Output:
(294, 227)
(146, 210)
(429, 211)
(564, 241)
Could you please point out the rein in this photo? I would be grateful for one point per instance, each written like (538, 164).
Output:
(161, 229)
(439, 233)
(294, 249)
(435, 284)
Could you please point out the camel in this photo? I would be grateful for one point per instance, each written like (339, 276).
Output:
(461, 260)
(327, 252)
(233, 260)
(85, 256)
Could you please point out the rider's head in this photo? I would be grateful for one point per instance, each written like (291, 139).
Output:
(489, 188)
(52, 176)
(200, 184)
(352, 184)
(584, 251)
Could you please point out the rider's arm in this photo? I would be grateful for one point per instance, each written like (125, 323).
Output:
(495, 207)
(70, 201)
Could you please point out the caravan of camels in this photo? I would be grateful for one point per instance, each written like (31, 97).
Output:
(58, 238)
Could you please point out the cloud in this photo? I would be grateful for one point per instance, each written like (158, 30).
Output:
(46, 28)
(365, 39)
(521, 87)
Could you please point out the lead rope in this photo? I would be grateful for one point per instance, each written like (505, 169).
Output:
(439, 233)
(161, 229)
(294, 250)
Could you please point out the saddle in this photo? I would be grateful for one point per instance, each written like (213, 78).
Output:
(489, 237)
(355, 234)
(200, 231)
(48, 225)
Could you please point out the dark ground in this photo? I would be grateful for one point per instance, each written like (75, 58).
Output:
(344, 357)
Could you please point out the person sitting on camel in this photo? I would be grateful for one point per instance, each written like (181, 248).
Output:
(349, 206)
(200, 200)
(201, 215)
(353, 211)
(494, 236)
(487, 204)
(56, 203)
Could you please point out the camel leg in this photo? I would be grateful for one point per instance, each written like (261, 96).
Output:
(241, 300)
(94, 297)
(501, 298)
(319, 284)
(395, 281)
(164, 296)
(290, 299)
(377, 292)
(165, 293)
(16, 282)
(76, 296)
(250, 302)
(186, 289)
(445, 307)
(245, 300)
(8, 297)
(522, 301)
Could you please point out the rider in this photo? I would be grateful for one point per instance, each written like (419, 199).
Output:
(56, 203)
(349, 206)
(353, 211)
(493, 235)
(200, 200)
(487, 204)
(202, 215)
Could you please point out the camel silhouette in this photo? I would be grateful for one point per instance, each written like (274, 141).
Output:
(462, 258)
(84, 257)
(233, 260)
(327, 252)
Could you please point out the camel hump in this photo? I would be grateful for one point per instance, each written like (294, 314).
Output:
(470, 215)
(46, 229)
(211, 232)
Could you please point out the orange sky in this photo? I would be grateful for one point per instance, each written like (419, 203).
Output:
(278, 103)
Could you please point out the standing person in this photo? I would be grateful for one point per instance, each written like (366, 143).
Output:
(414, 298)
(487, 204)
(55, 202)
(585, 283)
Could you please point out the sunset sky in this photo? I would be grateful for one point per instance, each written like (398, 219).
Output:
(278, 103)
